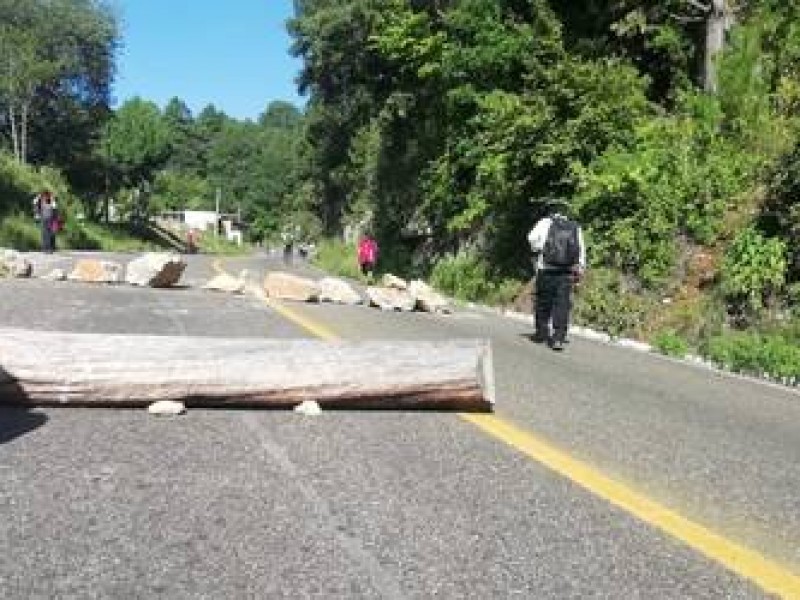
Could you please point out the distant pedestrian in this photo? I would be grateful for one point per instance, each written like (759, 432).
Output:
(560, 261)
(367, 255)
(49, 219)
(192, 236)
(288, 246)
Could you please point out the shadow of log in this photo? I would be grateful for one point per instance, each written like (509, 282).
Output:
(16, 419)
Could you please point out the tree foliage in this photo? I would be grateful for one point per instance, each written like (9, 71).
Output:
(446, 126)
(57, 60)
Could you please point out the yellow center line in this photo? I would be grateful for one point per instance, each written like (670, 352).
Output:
(309, 325)
(749, 564)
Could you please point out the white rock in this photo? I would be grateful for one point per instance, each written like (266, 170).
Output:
(56, 275)
(286, 286)
(226, 283)
(13, 264)
(428, 299)
(332, 289)
(392, 281)
(157, 270)
(96, 271)
(387, 298)
(309, 408)
(166, 407)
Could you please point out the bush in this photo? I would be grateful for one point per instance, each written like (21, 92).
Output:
(677, 179)
(338, 258)
(20, 232)
(463, 276)
(753, 269)
(467, 277)
(756, 354)
(670, 343)
(603, 300)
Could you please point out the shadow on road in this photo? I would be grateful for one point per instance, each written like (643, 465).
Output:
(16, 419)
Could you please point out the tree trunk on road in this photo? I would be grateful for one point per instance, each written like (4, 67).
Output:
(54, 368)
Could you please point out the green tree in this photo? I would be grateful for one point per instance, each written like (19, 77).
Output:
(136, 140)
(58, 57)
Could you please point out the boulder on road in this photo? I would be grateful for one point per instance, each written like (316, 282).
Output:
(332, 289)
(428, 299)
(389, 298)
(96, 271)
(392, 281)
(156, 270)
(13, 264)
(286, 286)
(56, 275)
(228, 283)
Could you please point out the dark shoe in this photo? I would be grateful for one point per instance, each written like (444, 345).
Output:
(557, 345)
(537, 338)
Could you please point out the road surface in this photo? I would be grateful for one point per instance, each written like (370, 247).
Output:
(605, 473)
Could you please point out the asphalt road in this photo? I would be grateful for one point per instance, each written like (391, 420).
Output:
(269, 504)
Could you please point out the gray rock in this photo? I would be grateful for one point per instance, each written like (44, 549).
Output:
(157, 270)
(332, 289)
(96, 271)
(14, 264)
(392, 281)
(56, 275)
(428, 299)
(286, 286)
(388, 298)
(228, 283)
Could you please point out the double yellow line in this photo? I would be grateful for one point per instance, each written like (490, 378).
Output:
(749, 564)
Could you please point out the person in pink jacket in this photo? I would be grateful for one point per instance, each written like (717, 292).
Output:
(367, 254)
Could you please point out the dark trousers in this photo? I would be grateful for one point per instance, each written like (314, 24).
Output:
(553, 302)
(48, 238)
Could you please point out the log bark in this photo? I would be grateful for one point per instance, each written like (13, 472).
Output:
(59, 368)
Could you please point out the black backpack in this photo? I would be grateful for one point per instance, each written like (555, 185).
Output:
(562, 247)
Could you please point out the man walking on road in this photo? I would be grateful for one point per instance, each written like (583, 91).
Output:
(560, 260)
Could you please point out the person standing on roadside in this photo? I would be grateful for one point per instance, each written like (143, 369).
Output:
(49, 219)
(288, 245)
(560, 261)
(367, 254)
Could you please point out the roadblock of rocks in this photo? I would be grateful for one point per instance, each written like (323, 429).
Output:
(393, 294)
(164, 270)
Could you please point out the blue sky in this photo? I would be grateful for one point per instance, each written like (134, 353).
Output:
(233, 54)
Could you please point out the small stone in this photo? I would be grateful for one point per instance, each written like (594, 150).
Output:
(309, 408)
(166, 407)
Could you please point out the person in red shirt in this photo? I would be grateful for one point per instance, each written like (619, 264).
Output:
(367, 254)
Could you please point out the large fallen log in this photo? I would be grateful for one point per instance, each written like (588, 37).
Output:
(58, 368)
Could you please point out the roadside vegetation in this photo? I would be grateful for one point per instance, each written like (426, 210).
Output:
(672, 130)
